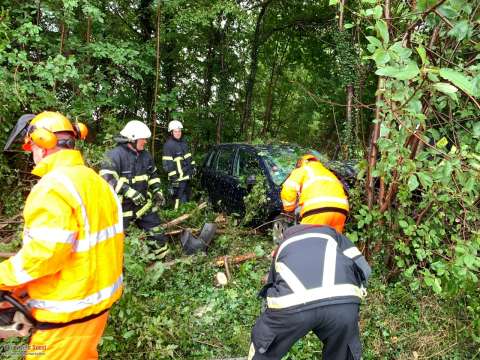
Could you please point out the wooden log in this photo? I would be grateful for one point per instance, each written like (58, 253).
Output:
(6, 254)
(220, 261)
(183, 217)
(10, 221)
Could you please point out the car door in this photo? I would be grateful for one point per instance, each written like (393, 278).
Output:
(246, 166)
(207, 173)
(223, 183)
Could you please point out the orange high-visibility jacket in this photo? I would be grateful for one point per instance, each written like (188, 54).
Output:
(316, 188)
(72, 253)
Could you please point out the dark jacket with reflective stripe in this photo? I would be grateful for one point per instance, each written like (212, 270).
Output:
(177, 160)
(315, 266)
(125, 168)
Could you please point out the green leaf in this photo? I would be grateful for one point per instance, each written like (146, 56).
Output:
(382, 29)
(377, 12)
(423, 5)
(459, 80)
(447, 11)
(374, 41)
(381, 57)
(476, 129)
(447, 172)
(412, 182)
(470, 261)
(460, 30)
(425, 179)
(442, 143)
(348, 26)
(423, 54)
(406, 73)
(402, 52)
(446, 88)
(333, 2)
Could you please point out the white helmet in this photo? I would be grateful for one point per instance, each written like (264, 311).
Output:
(135, 130)
(174, 124)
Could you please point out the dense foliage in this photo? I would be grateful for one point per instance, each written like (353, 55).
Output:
(394, 82)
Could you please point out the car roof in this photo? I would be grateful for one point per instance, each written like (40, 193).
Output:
(258, 147)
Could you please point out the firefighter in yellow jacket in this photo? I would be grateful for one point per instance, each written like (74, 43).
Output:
(317, 192)
(70, 263)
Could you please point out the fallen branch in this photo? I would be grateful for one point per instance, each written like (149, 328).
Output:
(220, 261)
(227, 270)
(179, 231)
(6, 254)
(10, 221)
(183, 217)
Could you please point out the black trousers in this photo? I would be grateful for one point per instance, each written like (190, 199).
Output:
(275, 332)
(150, 222)
(182, 193)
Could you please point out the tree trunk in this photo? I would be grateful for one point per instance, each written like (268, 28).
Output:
(247, 109)
(340, 15)
(349, 124)
(157, 72)
(373, 150)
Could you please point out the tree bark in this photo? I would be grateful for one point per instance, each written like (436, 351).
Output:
(157, 72)
(340, 15)
(349, 124)
(373, 150)
(247, 109)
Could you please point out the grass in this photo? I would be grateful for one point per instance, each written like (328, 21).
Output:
(177, 311)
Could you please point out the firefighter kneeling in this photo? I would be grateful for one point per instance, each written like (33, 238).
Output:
(316, 282)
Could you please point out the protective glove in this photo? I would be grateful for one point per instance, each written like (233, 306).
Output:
(160, 198)
(137, 198)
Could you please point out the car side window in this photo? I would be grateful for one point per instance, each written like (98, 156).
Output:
(223, 162)
(210, 158)
(247, 165)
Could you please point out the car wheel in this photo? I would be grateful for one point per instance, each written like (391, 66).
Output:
(280, 224)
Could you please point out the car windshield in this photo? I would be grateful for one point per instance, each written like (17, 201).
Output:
(281, 160)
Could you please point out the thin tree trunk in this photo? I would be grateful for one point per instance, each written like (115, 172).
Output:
(62, 37)
(373, 150)
(39, 12)
(247, 109)
(340, 15)
(349, 124)
(157, 72)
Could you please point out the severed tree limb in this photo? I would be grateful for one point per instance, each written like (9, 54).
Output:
(227, 270)
(183, 217)
(10, 221)
(220, 261)
(6, 254)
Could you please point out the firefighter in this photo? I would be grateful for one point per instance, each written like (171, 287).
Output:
(316, 193)
(178, 164)
(130, 169)
(70, 263)
(316, 281)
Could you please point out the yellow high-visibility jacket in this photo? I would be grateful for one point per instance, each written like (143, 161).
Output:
(313, 187)
(72, 254)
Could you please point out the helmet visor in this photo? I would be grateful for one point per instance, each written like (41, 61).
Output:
(19, 131)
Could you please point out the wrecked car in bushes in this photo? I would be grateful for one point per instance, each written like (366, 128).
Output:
(230, 172)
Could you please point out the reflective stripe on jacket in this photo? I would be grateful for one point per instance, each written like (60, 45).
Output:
(72, 253)
(315, 266)
(126, 169)
(177, 160)
(316, 188)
